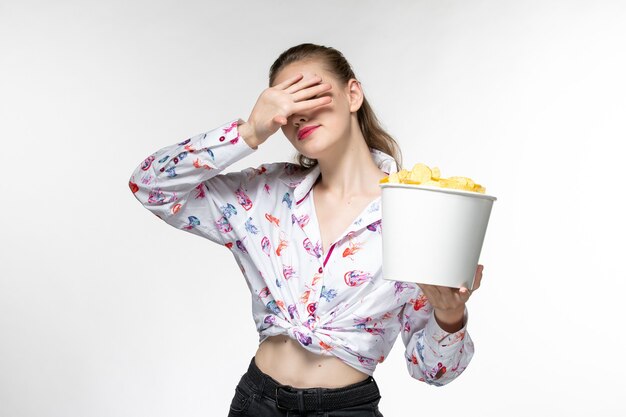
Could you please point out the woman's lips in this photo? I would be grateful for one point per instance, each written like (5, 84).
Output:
(307, 133)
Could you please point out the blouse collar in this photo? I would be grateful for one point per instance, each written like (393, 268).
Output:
(302, 181)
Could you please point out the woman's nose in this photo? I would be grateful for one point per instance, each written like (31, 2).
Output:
(299, 120)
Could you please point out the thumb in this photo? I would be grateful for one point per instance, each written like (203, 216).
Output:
(280, 120)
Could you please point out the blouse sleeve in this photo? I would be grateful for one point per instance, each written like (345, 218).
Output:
(433, 355)
(181, 184)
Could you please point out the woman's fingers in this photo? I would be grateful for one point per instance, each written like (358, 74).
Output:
(464, 294)
(478, 277)
(455, 296)
(310, 104)
(302, 83)
(289, 81)
(312, 91)
(302, 91)
(306, 88)
(445, 298)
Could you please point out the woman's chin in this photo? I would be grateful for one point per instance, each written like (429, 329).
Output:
(313, 150)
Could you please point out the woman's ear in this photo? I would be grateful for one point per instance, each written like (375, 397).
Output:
(355, 94)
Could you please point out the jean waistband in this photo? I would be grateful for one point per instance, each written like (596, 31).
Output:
(311, 399)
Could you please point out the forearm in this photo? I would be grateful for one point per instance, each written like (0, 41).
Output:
(180, 183)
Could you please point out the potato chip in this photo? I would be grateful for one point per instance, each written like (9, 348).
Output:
(403, 175)
(421, 174)
(479, 189)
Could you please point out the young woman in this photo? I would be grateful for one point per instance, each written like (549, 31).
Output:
(307, 238)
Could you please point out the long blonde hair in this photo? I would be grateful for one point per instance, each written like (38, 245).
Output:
(334, 62)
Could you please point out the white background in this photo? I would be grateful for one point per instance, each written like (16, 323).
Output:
(107, 311)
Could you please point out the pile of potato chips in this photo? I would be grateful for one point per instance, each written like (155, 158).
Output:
(422, 175)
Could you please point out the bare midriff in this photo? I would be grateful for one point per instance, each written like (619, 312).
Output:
(285, 360)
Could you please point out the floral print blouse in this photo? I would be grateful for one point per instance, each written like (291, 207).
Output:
(335, 303)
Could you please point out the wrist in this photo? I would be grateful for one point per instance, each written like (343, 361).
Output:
(247, 134)
(450, 321)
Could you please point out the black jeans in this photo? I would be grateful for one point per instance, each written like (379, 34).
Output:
(250, 399)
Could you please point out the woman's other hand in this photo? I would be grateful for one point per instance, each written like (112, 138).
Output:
(449, 303)
(277, 103)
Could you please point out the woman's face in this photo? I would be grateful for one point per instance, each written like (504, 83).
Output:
(333, 119)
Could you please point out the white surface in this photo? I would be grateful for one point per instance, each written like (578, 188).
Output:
(107, 311)
(433, 235)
